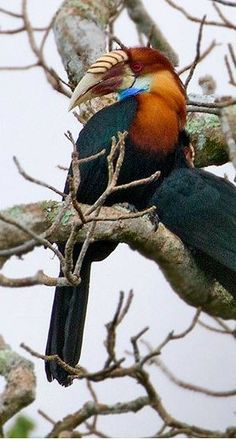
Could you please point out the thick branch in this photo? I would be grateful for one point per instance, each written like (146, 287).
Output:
(75, 27)
(91, 408)
(208, 140)
(162, 246)
(20, 382)
(206, 132)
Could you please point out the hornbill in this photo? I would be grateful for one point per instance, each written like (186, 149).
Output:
(152, 109)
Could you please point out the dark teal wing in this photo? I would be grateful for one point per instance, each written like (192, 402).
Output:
(200, 208)
(95, 136)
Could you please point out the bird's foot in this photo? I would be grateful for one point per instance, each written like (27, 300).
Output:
(154, 219)
(130, 208)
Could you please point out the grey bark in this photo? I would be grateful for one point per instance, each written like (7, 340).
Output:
(176, 262)
(20, 385)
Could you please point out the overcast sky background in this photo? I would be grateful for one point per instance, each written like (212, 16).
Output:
(33, 119)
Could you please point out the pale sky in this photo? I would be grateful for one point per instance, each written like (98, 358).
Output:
(33, 120)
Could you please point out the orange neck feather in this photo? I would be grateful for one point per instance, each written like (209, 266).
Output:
(161, 114)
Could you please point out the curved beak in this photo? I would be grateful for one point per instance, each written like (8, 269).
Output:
(108, 74)
(84, 91)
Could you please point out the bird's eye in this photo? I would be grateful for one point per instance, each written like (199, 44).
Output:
(137, 67)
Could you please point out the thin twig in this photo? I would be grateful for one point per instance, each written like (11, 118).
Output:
(207, 110)
(20, 29)
(134, 340)
(197, 56)
(217, 330)
(222, 104)
(84, 248)
(16, 68)
(225, 20)
(190, 386)
(40, 278)
(56, 358)
(193, 18)
(45, 416)
(46, 34)
(115, 39)
(202, 56)
(39, 239)
(10, 13)
(232, 53)
(190, 328)
(225, 2)
(28, 177)
(221, 323)
(111, 333)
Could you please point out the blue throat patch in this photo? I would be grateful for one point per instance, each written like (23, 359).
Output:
(123, 94)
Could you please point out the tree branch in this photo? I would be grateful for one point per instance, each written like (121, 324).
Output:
(195, 19)
(205, 130)
(176, 262)
(147, 26)
(118, 369)
(20, 382)
(74, 28)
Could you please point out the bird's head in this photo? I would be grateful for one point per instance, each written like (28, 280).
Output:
(129, 72)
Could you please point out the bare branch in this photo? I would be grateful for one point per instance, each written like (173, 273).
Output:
(189, 386)
(225, 20)
(202, 56)
(10, 13)
(217, 330)
(20, 382)
(137, 372)
(226, 129)
(71, 370)
(45, 416)
(134, 340)
(189, 329)
(16, 68)
(91, 409)
(232, 79)
(196, 19)
(232, 53)
(161, 245)
(46, 34)
(211, 146)
(197, 56)
(27, 177)
(225, 2)
(39, 239)
(40, 278)
(21, 29)
(148, 27)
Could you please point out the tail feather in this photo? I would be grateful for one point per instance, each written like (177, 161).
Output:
(67, 326)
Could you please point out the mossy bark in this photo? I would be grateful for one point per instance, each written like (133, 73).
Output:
(176, 262)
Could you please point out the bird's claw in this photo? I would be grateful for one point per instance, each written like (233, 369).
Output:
(154, 219)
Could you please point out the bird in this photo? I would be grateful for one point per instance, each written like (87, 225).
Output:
(151, 108)
(200, 208)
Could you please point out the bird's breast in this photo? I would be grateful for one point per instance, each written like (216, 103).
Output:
(156, 125)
